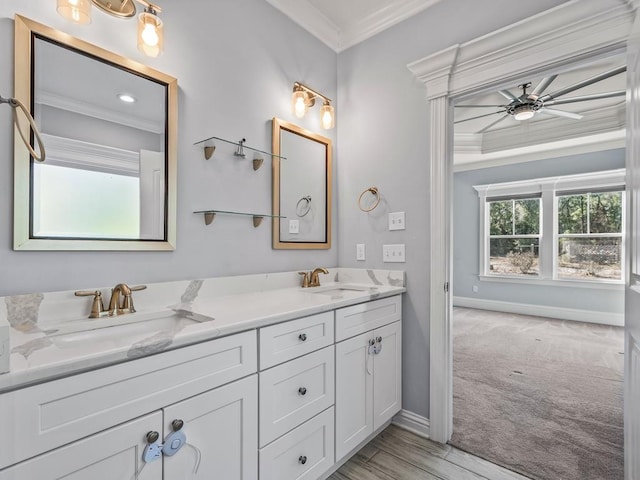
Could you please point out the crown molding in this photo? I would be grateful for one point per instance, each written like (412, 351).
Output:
(305, 14)
(67, 152)
(84, 108)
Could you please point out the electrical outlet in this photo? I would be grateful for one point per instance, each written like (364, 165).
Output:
(294, 226)
(475, 289)
(360, 251)
(396, 221)
(393, 253)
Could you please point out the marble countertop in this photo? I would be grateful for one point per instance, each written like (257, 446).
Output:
(45, 351)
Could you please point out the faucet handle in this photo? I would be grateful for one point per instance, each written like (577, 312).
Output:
(138, 288)
(305, 279)
(127, 305)
(97, 307)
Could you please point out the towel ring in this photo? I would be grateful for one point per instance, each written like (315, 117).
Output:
(306, 207)
(15, 104)
(373, 191)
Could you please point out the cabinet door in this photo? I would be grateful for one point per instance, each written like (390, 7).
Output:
(354, 393)
(221, 427)
(387, 379)
(115, 454)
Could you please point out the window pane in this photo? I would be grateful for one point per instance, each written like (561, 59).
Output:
(606, 212)
(527, 216)
(590, 258)
(513, 256)
(501, 217)
(572, 214)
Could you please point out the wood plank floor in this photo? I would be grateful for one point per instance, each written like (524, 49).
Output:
(396, 454)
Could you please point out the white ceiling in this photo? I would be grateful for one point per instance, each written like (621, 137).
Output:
(341, 24)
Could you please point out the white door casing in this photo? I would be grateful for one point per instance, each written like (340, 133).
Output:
(568, 34)
(632, 291)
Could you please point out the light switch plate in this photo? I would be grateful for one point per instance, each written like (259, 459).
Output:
(4, 348)
(393, 253)
(294, 226)
(360, 251)
(396, 221)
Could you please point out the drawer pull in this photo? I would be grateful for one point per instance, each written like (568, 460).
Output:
(302, 391)
(303, 337)
(302, 459)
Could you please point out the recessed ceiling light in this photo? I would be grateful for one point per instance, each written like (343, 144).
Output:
(125, 97)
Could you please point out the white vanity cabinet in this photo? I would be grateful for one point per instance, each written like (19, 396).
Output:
(72, 418)
(368, 371)
(296, 398)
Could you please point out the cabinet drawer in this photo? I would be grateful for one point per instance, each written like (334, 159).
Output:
(52, 414)
(294, 392)
(357, 319)
(303, 454)
(282, 342)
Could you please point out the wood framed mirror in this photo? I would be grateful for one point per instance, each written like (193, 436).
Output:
(301, 188)
(109, 126)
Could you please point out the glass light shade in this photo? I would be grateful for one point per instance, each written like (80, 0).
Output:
(327, 116)
(299, 101)
(150, 34)
(524, 114)
(77, 11)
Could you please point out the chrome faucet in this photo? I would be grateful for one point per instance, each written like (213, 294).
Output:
(315, 279)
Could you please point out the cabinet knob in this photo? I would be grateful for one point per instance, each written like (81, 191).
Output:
(372, 342)
(152, 436)
(378, 339)
(302, 391)
(177, 424)
(302, 459)
(303, 337)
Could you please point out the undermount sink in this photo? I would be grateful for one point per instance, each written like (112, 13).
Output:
(341, 289)
(116, 330)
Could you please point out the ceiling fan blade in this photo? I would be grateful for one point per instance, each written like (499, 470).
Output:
(494, 123)
(508, 95)
(561, 113)
(584, 83)
(479, 106)
(584, 98)
(479, 116)
(542, 86)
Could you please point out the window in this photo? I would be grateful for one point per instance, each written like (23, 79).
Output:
(590, 235)
(558, 230)
(514, 236)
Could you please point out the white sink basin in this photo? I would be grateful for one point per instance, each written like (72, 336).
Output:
(341, 290)
(116, 330)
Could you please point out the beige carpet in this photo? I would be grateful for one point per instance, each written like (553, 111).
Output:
(539, 396)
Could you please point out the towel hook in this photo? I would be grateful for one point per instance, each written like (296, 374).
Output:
(306, 207)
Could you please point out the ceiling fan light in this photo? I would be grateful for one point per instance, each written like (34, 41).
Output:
(523, 112)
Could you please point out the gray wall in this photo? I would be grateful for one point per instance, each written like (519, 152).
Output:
(235, 61)
(383, 132)
(466, 227)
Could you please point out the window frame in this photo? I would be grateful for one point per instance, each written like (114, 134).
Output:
(547, 189)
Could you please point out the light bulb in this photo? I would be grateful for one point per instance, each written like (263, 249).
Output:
(149, 35)
(327, 116)
(299, 101)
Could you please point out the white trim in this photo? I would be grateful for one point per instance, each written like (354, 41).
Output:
(67, 152)
(338, 38)
(412, 422)
(561, 313)
(565, 35)
(601, 284)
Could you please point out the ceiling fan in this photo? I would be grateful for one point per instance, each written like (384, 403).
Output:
(529, 104)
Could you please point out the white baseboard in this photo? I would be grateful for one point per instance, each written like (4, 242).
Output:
(413, 422)
(603, 318)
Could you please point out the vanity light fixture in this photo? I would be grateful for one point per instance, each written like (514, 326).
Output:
(150, 27)
(304, 97)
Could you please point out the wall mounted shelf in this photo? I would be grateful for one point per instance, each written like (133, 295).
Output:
(209, 145)
(210, 215)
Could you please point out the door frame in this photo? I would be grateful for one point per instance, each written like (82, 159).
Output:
(568, 34)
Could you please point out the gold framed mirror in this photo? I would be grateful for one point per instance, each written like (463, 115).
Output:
(110, 128)
(301, 188)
